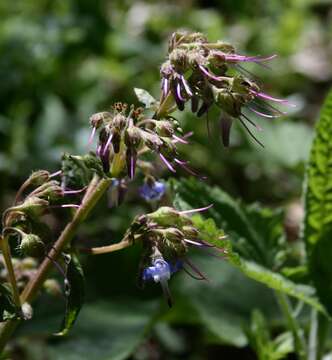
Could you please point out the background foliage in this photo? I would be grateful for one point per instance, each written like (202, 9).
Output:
(61, 61)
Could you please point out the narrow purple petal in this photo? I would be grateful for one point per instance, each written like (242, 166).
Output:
(179, 139)
(98, 150)
(165, 86)
(59, 172)
(70, 206)
(192, 242)
(108, 142)
(170, 167)
(69, 192)
(178, 92)
(207, 73)
(271, 108)
(132, 167)
(236, 57)
(269, 97)
(196, 210)
(92, 135)
(186, 86)
(263, 114)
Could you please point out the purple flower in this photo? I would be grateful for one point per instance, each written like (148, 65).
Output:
(152, 190)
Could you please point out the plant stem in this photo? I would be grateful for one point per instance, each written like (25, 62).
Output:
(165, 107)
(312, 346)
(109, 248)
(10, 269)
(93, 193)
(293, 325)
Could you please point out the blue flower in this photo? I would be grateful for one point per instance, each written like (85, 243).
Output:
(160, 272)
(152, 191)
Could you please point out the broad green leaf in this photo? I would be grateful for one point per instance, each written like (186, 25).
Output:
(145, 98)
(256, 232)
(255, 271)
(224, 303)
(109, 330)
(317, 230)
(8, 310)
(74, 294)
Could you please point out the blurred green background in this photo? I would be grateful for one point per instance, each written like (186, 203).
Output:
(61, 61)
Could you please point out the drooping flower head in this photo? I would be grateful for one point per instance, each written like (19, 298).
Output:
(166, 235)
(127, 134)
(198, 70)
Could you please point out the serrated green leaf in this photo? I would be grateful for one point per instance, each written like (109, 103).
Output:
(317, 229)
(256, 232)
(75, 296)
(253, 270)
(145, 98)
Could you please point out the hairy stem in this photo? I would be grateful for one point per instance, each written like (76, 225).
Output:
(166, 106)
(10, 269)
(109, 248)
(94, 192)
(293, 325)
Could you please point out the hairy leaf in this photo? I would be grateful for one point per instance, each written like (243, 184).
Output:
(317, 230)
(74, 294)
(256, 232)
(253, 270)
(145, 98)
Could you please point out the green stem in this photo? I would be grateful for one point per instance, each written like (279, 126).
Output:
(312, 345)
(165, 107)
(10, 269)
(94, 192)
(110, 248)
(293, 325)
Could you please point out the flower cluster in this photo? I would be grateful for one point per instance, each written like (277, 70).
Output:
(166, 235)
(126, 133)
(23, 219)
(199, 71)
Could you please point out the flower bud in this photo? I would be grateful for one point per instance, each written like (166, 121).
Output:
(132, 136)
(116, 141)
(31, 245)
(164, 128)
(33, 206)
(38, 177)
(167, 216)
(190, 232)
(98, 119)
(50, 191)
(119, 121)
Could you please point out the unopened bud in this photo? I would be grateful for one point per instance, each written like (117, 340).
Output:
(32, 245)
